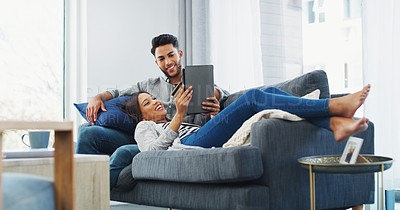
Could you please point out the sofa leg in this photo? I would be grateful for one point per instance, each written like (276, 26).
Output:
(169, 208)
(360, 207)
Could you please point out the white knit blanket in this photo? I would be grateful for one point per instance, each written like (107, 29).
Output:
(242, 135)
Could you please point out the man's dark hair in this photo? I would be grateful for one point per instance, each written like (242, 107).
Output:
(132, 107)
(163, 39)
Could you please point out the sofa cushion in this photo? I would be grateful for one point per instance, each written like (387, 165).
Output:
(114, 117)
(26, 191)
(216, 165)
(298, 86)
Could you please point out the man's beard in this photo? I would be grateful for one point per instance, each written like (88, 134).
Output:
(178, 71)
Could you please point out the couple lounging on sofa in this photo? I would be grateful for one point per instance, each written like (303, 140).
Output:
(264, 175)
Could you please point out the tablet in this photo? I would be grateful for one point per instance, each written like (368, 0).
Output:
(201, 78)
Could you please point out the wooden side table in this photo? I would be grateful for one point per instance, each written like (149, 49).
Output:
(64, 184)
(92, 177)
(330, 164)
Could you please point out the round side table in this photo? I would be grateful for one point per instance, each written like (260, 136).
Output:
(330, 164)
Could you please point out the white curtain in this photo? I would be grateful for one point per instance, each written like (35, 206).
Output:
(381, 51)
(194, 31)
(235, 44)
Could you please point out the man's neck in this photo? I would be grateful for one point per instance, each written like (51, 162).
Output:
(175, 80)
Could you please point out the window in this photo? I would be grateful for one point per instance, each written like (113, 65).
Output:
(311, 14)
(321, 17)
(31, 63)
(335, 43)
(346, 76)
(346, 8)
(351, 9)
(316, 13)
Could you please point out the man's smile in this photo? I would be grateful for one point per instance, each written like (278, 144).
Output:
(171, 69)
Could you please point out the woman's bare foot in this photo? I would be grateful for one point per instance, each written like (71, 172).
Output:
(343, 127)
(347, 105)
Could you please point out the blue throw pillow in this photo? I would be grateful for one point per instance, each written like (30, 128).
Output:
(114, 117)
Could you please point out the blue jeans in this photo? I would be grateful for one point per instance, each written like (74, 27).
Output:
(100, 140)
(121, 158)
(220, 128)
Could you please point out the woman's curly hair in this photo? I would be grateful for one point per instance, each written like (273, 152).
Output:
(132, 107)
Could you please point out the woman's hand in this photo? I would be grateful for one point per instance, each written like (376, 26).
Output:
(182, 99)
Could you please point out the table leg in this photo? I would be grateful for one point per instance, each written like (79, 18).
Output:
(377, 190)
(382, 187)
(312, 189)
(313, 177)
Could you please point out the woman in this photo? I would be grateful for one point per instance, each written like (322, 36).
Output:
(155, 132)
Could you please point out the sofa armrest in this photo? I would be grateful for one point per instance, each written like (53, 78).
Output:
(282, 142)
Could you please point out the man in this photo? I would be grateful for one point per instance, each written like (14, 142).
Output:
(165, 49)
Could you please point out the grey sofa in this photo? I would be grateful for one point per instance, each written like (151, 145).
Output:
(265, 175)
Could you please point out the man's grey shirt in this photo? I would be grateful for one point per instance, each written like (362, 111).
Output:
(161, 89)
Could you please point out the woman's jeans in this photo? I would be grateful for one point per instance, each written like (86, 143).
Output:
(221, 128)
(121, 158)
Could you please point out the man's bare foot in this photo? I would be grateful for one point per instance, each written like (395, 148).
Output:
(343, 127)
(347, 105)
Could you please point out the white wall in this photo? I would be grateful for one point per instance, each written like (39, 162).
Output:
(119, 40)
(120, 32)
